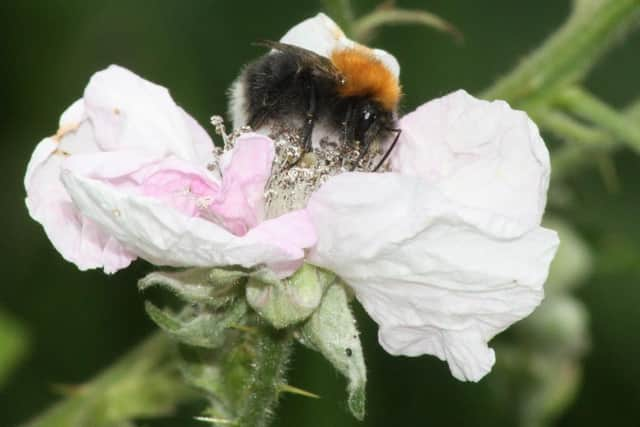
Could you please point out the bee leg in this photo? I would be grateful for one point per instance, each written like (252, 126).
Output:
(393, 144)
(310, 118)
(369, 136)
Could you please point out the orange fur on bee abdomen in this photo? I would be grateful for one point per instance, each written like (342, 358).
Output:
(366, 76)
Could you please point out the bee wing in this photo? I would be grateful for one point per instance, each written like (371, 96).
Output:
(321, 65)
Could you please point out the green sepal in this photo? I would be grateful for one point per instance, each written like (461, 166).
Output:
(332, 331)
(289, 301)
(200, 328)
(213, 287)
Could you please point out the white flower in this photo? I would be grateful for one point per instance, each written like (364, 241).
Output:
(444, 252)
(447, 250)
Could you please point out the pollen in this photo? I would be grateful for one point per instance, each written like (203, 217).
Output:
(366, 76)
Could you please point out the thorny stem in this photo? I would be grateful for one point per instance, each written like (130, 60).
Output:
(588, 107)
(568, 54)
(584, 143)
(273, 351)
(144, 382)
(535, 84)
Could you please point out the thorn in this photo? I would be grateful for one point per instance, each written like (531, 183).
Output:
(68, 390)
(215, 420)
(286, 388)
(243, 328)
(609, 174)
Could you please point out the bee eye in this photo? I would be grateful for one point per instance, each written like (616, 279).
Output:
(366, 120)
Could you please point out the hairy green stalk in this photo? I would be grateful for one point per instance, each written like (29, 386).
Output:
(569, 53)
(273, 350)
(144, 383)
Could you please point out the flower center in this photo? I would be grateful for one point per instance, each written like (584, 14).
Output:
(295, 175)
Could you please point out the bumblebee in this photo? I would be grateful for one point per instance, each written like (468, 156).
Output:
(348, 92)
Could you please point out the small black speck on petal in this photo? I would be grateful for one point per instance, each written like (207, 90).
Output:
(349, 352)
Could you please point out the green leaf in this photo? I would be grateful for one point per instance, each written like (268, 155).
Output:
(332, 331)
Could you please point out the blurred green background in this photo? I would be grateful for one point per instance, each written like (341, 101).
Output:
(60, 326)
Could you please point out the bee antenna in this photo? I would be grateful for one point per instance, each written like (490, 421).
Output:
(391, 147)
(265, 43)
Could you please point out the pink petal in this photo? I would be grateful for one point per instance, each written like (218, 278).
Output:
(241, 202)
(165, 236)
(75, 237)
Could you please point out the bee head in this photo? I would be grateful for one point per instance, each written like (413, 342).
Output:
(369, 120)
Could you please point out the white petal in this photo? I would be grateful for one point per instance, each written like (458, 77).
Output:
(202, 143)
(481, 154)
(73, 115)
(432, 273)
(164, 236)
(129, 112)
(322, 35)
(318, 34)
(43, 151)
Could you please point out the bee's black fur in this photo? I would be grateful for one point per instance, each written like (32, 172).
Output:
(292, 82)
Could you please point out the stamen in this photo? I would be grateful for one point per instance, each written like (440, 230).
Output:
(295, 175)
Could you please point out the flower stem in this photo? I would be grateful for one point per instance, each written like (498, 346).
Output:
(584, 105)
(569, 53)
(364, 27)
(273, 350)
(144, 383)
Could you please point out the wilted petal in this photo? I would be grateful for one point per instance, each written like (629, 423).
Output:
(431, 272)
(480, 154)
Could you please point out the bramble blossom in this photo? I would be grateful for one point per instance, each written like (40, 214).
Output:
(444, 249)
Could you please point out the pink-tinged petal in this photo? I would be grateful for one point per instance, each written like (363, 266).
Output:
(480, 154)
(129, 112)
(180, 184)
(75, 237)
(165, 236)
(40, 155)
(128, 132)
(241, 201)
(433, 273)
(292, 233)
